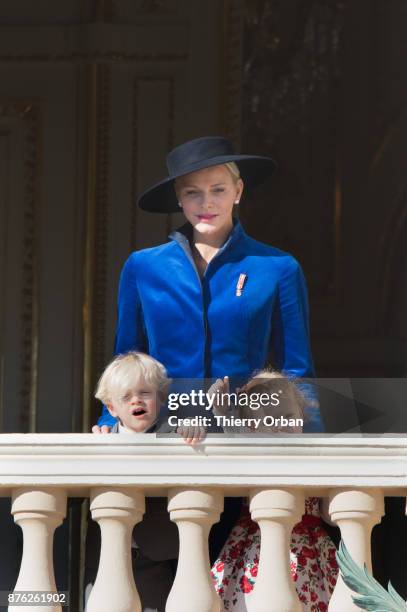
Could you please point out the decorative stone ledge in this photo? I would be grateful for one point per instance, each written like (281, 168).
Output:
(80, 461)
(39, 471)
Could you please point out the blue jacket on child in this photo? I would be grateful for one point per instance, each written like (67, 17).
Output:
(251, 301)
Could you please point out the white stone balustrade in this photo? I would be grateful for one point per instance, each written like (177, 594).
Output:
(355, 512)
(116, 511)
(38, 512)
(276, 511)
(194, 511)
(40, 471)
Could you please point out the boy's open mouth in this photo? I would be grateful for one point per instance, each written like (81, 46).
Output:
(138, 412)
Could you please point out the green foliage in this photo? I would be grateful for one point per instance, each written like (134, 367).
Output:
(371, 595)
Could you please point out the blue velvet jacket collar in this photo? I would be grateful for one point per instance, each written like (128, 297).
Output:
(183, 236)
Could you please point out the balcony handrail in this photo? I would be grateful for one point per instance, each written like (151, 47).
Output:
(78, 461)
(39, 471)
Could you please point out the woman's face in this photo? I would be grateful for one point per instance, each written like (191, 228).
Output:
(207, 198)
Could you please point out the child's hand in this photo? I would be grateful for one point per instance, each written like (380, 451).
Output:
(192, 435)
(105, 429)
(219, 387)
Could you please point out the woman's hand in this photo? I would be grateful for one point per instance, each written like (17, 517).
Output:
(192, 435)
(105, 429)
(219, 388)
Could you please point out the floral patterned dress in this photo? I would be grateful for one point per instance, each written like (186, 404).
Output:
(313, 562)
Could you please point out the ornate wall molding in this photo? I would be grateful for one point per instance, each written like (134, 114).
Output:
(109, 56)
(136, 8)
(149, 6)
(169, 81)
(231, 73)
(103, 137)
(295, 53)
(97, 41)
(30, 115)
(97, 227)
(291, 79)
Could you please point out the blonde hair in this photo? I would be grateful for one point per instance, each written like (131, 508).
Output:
(231, 166)
(234, 170)
(125, 370)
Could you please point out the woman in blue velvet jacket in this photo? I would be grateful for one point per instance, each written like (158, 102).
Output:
(213, 301)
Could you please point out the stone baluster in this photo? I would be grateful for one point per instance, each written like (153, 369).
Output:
(194, 511)
(116, 511)
(355, 512)
(276, 511)
(38, 512)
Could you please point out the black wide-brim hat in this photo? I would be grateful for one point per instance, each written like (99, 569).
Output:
(198, 154)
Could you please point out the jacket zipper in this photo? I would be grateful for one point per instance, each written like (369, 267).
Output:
(205, 318)
(207, 372)
(188, 253)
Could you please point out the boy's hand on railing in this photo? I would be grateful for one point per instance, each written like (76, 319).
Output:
(100, 430)
(192, 435)
(219, 388)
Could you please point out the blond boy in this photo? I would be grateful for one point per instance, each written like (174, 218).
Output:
(133, 387)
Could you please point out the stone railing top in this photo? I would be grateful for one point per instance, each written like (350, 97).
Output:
(80, 461)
